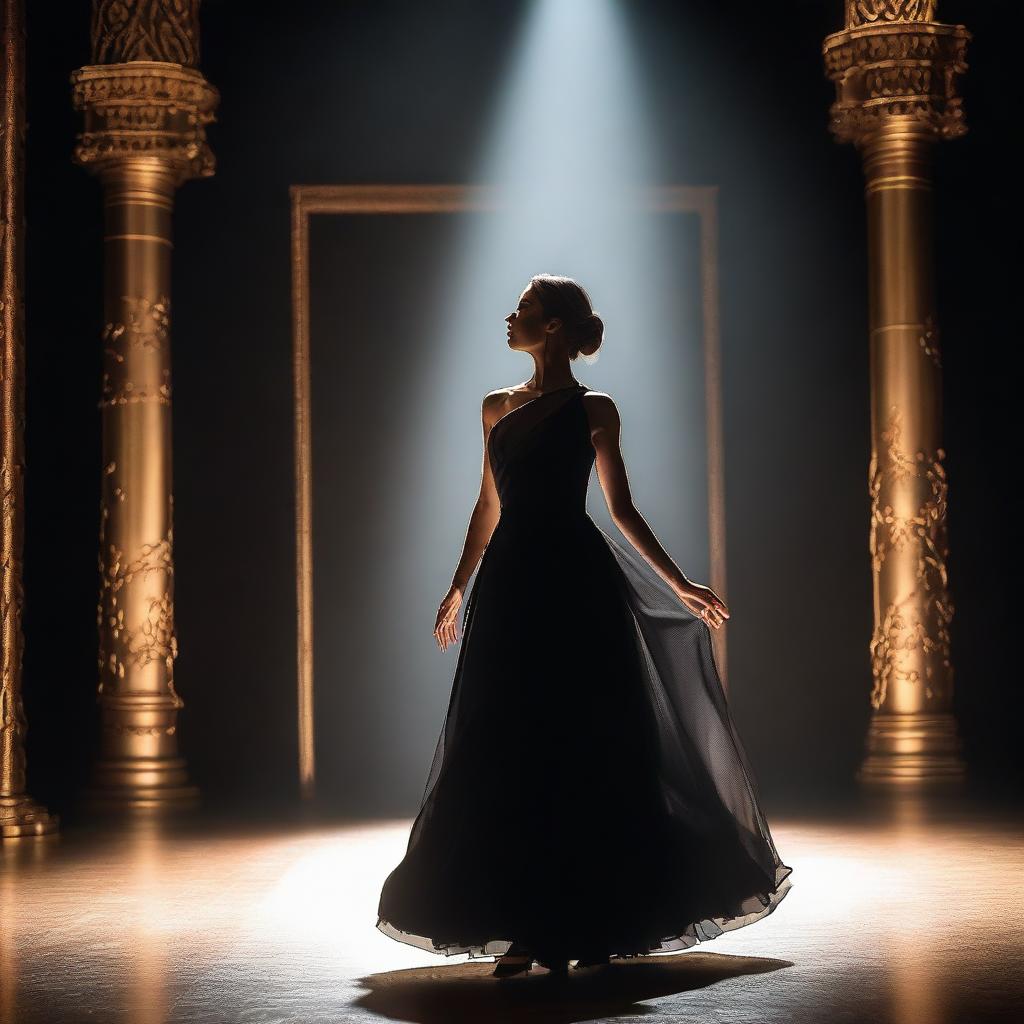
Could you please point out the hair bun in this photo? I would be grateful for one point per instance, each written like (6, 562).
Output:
(589, 334)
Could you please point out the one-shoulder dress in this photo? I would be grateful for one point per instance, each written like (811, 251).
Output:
(588, 791)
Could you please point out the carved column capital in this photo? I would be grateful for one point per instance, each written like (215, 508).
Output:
(892, 62)
(145, 109)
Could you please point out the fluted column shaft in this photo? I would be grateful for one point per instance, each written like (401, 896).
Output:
(139, 706)
(913, 734)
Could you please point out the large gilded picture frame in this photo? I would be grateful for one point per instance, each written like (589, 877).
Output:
(310, 200)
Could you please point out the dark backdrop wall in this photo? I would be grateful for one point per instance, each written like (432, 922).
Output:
(400, 92)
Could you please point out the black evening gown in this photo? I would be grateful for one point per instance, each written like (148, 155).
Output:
(589, 793)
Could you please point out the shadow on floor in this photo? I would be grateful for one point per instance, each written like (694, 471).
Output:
(468, 993)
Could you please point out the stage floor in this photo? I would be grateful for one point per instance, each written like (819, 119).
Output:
(911, 914)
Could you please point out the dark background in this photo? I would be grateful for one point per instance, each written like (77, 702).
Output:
(389, 92)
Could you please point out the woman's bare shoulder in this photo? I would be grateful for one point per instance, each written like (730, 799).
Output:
(499, 393)
(601, 410)
(495, 403)
(601, 402)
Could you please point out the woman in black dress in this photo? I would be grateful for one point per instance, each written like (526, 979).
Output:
(589, 797)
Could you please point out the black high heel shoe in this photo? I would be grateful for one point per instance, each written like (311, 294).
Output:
(517, 960)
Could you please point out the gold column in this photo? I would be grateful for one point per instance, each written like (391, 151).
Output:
(895, 71)
(19, 814)
(146, 107)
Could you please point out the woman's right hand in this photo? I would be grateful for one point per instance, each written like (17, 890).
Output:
(445, 628)
(703, 602)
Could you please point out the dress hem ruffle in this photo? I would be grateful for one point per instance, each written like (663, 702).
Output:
(698, 931)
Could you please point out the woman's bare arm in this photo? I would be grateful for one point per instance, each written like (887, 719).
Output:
(487, 510)
(605, 429)
(486, 513)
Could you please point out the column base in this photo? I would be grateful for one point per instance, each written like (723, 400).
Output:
(22, 816)
(141, 785)
(913, 750)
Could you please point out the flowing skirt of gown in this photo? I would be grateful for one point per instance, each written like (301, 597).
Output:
(589, 793)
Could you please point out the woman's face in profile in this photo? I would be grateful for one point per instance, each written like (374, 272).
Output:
(526, 326)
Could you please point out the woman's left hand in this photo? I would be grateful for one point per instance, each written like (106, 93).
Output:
(703, 602)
